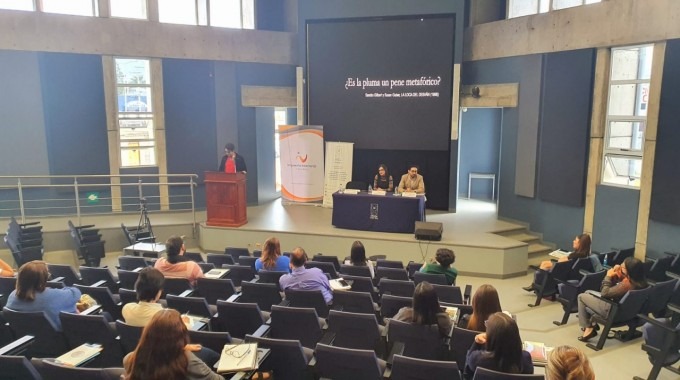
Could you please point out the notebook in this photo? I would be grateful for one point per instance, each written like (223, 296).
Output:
(453, 312)
(339, 284)
(216, 273)
(238, 357)
(558, 253)
(538, 351)
(79, 355)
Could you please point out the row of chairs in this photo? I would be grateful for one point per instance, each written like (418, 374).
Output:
(88, 243)
(24, 241)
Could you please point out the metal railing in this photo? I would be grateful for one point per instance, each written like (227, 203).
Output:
(75, 195)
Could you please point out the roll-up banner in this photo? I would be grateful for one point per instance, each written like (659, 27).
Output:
(339, 156)
(302, 169)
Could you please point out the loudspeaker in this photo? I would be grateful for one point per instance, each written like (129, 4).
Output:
(429, 231)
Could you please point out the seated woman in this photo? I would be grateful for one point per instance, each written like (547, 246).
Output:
(164, 352)
(498, 349)
(442, 265)
(567, 363)
(357, 257)
(581, 245)
(32, 293)
(426, 310)
(6, 270)
(271, 257)
(485, 302)
(618, 281)
(383, 180)
(173, 266)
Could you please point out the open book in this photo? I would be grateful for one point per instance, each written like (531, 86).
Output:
(79, 355)
(453, 312)
(538, 351)
(238, 357)
(559, 253)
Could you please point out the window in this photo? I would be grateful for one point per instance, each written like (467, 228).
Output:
(71, 7)
(630, 73)
(19, 5)
(128, 8)
(135, 112)
(519, 8)
(222, 13)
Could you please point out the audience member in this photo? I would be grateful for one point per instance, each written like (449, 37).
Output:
(164, 352)
(32, 293)
(442, 265)
(618, 281)
(271, 258)
(411, 182)
(149, 287)
(425, 310)
(498, 349)
(6, 270)
(581, 246)
(305, 279)
(357, 257)
(485, 302)
(173, 266)
(568, 363)
(383, 180)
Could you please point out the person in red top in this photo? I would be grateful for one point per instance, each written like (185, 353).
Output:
(232, 162)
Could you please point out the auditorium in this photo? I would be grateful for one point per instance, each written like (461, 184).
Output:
(531, 124)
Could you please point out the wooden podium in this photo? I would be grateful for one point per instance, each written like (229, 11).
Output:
(225, 199)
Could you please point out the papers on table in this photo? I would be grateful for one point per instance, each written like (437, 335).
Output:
(351, 191)
(538, 351)
(217, 273)
(79, 355)
(453, 313)
(559, 253)
(409, 194)
(238, 357)
(379, 192)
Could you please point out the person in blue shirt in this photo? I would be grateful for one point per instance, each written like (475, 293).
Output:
(271, 257)
(305, 279)
(32, 294)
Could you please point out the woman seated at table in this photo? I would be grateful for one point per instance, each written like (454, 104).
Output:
(485, 302)
(498, 349)
(425, 310)
(358, 258)
(164, 352)
(32, 293)
(581, 245)
(383, 180)
(271, 258)
(442, 265)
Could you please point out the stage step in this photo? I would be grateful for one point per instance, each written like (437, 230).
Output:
(538, 251)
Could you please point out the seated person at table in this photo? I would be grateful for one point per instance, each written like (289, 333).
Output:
(425, 310)
(411, 182)
(32, 294)
(305, 279)
(172, 266)
(164, 352)
(6, 270)
(442, 265)
(149, 287)
(271, 258)
(498, 349)
(357, 257)
(581, 245)
(383, 180)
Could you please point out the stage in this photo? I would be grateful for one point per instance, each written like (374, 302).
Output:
(470, 233)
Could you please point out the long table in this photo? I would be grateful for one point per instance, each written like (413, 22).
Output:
(384, 213)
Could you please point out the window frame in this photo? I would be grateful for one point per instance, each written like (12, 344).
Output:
(541, 8)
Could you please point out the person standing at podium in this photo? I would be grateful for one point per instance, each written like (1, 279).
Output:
(232, 162)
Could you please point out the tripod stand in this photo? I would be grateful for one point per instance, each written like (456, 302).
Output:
(144, 230)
